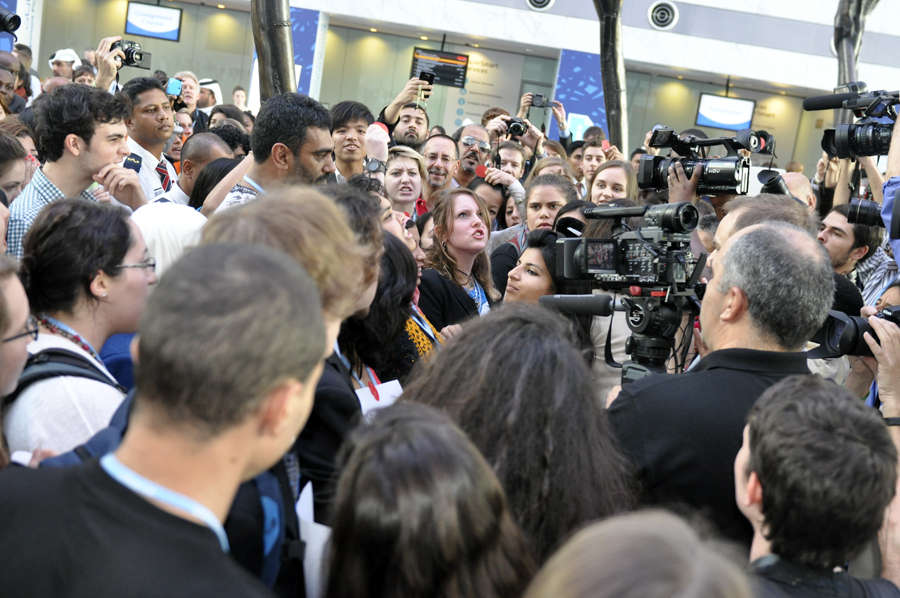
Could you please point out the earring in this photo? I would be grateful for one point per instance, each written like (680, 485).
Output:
(103, 295)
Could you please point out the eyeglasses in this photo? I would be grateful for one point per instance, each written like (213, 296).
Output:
(32, 328)
(149, 263)
(469, 141)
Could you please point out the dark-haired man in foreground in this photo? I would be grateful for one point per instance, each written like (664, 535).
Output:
(79, 148)
(231, 349)
(814, 476)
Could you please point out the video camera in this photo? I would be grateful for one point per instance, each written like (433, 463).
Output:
(867, 137)
(655, 262)
(729, 175)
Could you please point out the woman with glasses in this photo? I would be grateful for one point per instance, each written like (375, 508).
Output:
(87, 276)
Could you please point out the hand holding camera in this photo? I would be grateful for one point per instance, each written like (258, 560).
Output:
(109, 58)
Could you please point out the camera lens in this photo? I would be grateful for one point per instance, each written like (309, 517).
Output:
(9, 21)
(861, 139)
(865, 211)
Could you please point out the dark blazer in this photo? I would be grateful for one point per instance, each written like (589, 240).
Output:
(335, 411)
(682, 432)
(444, 302)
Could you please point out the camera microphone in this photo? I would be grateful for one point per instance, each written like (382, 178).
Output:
(832, 102)
(581, 305)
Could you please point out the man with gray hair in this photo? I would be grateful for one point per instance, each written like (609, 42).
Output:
(771, 289)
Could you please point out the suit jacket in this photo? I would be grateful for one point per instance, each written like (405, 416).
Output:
(444, 302)
(682, 432)
(335, 412)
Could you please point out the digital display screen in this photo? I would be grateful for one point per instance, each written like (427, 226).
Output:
(449, 69)
(153, 21)
(600, 256)
(724, 113)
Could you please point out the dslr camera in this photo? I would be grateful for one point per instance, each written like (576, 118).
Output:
(134, 56)
(843, 335)
(516, 127)
(538, 100)
(719, 176)
(870, 136)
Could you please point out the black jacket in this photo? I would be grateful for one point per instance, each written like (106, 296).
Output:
(444, 302)
(682, 432)
(773, 577)
(335, 411)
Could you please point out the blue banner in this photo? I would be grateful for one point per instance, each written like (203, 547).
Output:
(579, 88)
(6, 39)
(304, 28)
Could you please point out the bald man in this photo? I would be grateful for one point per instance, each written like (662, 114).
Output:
(800, 188)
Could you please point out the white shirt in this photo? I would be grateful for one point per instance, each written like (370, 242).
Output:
(174, 195)
(60, 413)
(150, 181)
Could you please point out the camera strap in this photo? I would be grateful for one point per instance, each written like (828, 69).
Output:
(609, 356)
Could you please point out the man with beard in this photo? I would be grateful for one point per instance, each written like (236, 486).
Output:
(441, 161)
(291, 145)
(474, 144)
(847, 244)
(405, 117)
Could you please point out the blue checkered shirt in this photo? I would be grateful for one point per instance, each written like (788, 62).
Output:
(36, 196)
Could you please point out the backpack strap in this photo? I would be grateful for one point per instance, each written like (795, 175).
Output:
(52, 363)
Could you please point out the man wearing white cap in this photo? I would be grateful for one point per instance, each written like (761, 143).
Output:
(210, 94)
(64, 62)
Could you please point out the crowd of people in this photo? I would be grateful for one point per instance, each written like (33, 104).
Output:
(303, 353)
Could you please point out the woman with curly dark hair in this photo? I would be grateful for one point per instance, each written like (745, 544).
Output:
(420, 513)
(518, 387)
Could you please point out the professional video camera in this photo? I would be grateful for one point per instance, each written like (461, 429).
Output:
(729, 175)
(655, 262)
(867, 137)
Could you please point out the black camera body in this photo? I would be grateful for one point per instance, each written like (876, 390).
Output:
(729, 175)
(867, 137)
(134, 55)
(656, 261)
(843, 335)
(655, 255)
(538, 100)
(516, 127)
(865, 211)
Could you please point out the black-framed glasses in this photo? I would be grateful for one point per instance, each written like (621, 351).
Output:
(469, 141)
(31, 329)
(149, 264)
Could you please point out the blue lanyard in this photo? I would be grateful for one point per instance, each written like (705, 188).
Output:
(254, 184)
(419, 318)
(478, 296)
(346, 362)
(150, 489)
(71, 332)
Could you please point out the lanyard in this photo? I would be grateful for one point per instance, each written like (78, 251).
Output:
(253, 184)
(69, 332)
(478, 296)
(418, 318)
(372, 376)
(150, 489)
